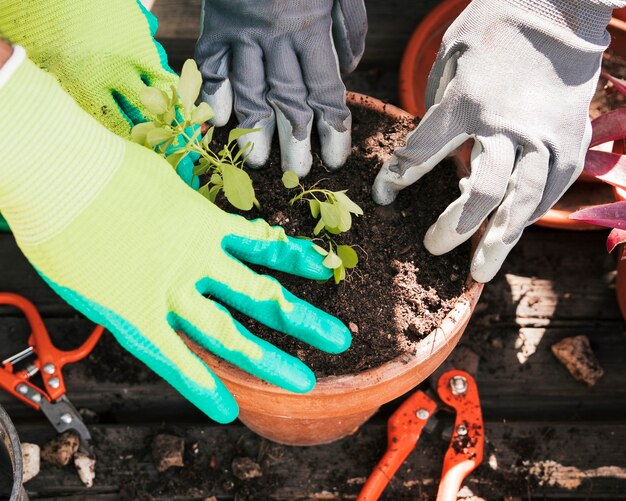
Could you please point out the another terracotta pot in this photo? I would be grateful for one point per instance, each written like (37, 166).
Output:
(11, 452)
(417, 62)
(338, 405)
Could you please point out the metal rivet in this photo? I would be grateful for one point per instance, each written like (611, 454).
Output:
(36, 398)
(54, 382)
(422, 414)
(66, 418)
(461, 430)
(49, 368)
(22, 388)
(458, 385)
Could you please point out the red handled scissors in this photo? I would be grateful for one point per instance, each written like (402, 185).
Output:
(43, 357)
(457, 392)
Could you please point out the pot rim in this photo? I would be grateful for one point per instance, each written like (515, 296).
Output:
(456, 319)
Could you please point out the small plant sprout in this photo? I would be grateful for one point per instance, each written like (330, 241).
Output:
(333, 211)
(176, 132)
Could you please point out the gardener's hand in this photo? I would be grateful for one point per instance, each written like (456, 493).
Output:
(103, 54)
(135, 250)
(277, 61)
(517, 76)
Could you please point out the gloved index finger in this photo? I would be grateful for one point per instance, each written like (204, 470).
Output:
(296, 256)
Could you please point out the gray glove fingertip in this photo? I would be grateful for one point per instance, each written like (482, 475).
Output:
(221, 100)
(295, 153)
(336, 145)
(260, 142)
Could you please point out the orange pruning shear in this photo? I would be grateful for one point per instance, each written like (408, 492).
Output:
(458, 392)
(43, 357)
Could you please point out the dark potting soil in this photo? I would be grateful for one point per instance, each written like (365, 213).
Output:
(606, 98)
(399, 292)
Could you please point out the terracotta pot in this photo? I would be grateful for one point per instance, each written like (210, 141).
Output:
(337, 406)
(11, 457)
(417, 62)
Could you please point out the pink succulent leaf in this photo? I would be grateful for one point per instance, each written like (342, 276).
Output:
(609, 215)
(610, 126)
(616, 237)
(606, 166)
(618, 84)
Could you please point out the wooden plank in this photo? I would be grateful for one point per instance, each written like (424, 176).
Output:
(518, 456)
(391, 23)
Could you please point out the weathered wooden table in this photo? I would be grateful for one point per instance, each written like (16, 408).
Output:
(548, 436)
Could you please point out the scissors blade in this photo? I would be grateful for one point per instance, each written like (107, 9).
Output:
(64, 417)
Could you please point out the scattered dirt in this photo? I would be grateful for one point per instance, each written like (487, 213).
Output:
(246, 468)
(399, 292)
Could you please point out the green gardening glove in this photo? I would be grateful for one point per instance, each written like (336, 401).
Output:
(102, 52)
(137, 251)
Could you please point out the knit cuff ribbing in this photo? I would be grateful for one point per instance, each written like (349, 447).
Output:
(586, 18)
(55, 158)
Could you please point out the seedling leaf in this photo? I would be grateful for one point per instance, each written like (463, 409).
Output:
(345, 201)
(156, 101)
(203, 113)
(339, 274)
(189, 85)
(348, 256)
(290, 179)
(238, 132)
(320, 250)
(332, 261)
(139, 132)
(314, 205)
(238, 187)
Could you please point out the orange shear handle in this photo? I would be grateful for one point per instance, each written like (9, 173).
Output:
(466, 448)
(403, 431)
(50, 360)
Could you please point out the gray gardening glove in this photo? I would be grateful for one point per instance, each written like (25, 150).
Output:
(279, 62)
(517, 76)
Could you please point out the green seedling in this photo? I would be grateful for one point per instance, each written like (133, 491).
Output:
(176, 132)
(333, 211)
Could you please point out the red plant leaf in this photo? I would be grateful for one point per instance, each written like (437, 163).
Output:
(616, 237)
(618, 84)
(609, 215)
(610, 126)
(606, 166)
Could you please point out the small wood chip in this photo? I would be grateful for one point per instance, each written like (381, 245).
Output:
(61, 450)
(576, 355)
(31, 460)
(167, 452)
(245, 468)
(354, 328)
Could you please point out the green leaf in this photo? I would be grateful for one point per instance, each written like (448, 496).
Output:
(318, 227)
(201, 168)
(139, 132)
(189, 85)
(340, 274)
(329, 214)
(216, 179)
(204, 190)
(332, 261)
(290, 179)
(345, 218)
(348, 256)
(320, 250)
(238, 187)
(344, 200)
(213, 192)
(208, 137)
(203, 113)
(175, 158)
(314, 205)
(238, 132)
(156, 101)
(158, 136)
